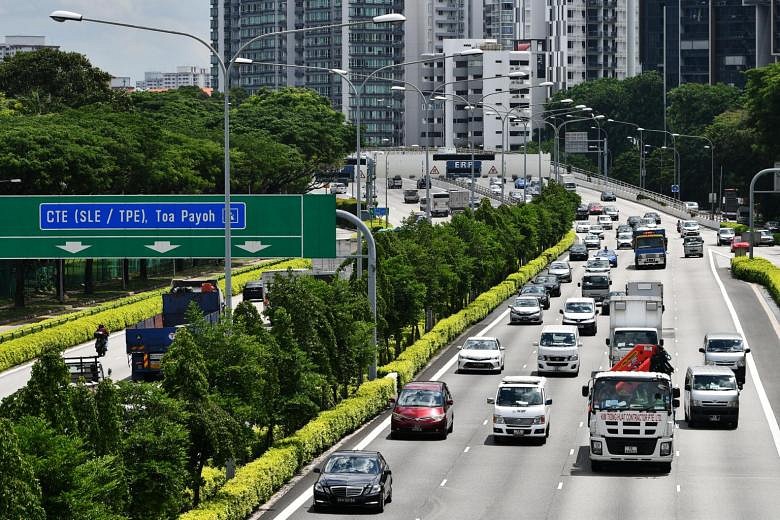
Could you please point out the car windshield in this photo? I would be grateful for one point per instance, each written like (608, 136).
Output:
(557, 339)
(519, 396)
(693, 240)
(650, 242)
(578, 307)
(616, 394)
(420, 397)
(629, 338)
(533, 289)
(714, 382)
(596, 227)
(545, 279)
(558, 265)
(690, 224)
(625, 236)
(724, 345)
(578, 247)
(352, 464)
(598, 263)
(591, 237)
(595, 282)
(726, 231)
(480, 344)
(526, 302)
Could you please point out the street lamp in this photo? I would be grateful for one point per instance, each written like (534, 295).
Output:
(13, 181)
(64, 16)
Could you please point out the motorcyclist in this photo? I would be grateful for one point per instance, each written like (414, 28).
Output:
(101, 340)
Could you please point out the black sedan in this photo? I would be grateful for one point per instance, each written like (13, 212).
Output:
(578, 252)
(354, 478)
(608, 196)
(605, 301)
(550, 282)
(539, 291)
(634, 221)
(582, 212)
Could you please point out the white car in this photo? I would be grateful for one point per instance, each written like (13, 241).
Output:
(495, 189)
(582, 227)
(689, 228)
(597, 229)
(725, 236)
(625, 241)
(516, 196)
(521, 408)
(692, 208)
(612, 211)
(526, 309)
(648, 223)
(338, 188)
(605, 221)
(481, 353)
(597, 265)
(561, 269)
(592, 241)
(581, 313)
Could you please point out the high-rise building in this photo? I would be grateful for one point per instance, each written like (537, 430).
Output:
(775, 28)
(185, 76)
(17, 44)
(707, 41)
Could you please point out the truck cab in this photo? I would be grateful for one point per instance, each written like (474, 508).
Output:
(650, 248)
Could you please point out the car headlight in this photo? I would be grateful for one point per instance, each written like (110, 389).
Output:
(666, 449)
(498, 419)
(319, 487)
(376, 488)
(733, 404)
(436, 417)
(397, 415)
(709, 362)
(575, 357)
(740, 363)
(696, 402)
(595, 447)
(539, 420)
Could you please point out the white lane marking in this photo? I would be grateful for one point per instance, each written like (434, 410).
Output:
(774, 428)
(466, 449)
(677, 453)
(296, 504)
(571, 451)
(484, 422)
(443, 482)
(560, 485)
(581, 423)
(523, 365)
(678, 488)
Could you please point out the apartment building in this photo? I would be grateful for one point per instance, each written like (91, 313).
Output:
(185, 76)
(16, 44)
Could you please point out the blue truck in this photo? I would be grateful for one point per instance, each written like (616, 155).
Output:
(148, 340)
(650, 248)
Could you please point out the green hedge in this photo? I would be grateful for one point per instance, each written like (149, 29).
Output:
(758, 270)
(256, 482)
(66, 335)
(738, 228)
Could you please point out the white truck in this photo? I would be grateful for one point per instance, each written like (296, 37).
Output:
(631, 418)
(459, 201)
(567, 180)
(440, 204)
(645, 289)
(633, 320)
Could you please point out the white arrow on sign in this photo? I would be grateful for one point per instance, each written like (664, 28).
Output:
(252, 246)
(73, 247)
(162, 247)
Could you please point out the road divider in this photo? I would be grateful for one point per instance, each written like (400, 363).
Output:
(758, 270)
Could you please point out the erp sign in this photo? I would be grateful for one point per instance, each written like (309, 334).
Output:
(463, 166)
(131, 215)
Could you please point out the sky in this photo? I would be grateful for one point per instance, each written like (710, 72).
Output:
(117, 50)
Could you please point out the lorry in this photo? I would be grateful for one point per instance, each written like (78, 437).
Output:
(633, 320)
(567, 181)
(631, 410)
(459, 201)
(650, 248)
(650, 288)
(395, 182)
(440, 204)
(148, 340)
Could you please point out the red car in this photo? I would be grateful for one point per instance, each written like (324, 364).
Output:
(735, 244)
(423, 407)
(595, 208)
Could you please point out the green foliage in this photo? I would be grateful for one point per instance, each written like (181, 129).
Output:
(692, 107)
(20, 492)
(738, 228)
(758, 270)
(47, 394)
(762, 94)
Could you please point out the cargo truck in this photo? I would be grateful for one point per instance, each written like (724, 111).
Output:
(650, 248)
(147, 341)
(440, 206)
(568, 182)
(633, 320)
(653, 288)
(459, 201)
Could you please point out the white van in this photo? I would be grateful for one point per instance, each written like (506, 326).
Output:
(558, 349)
(521, 408)
(711, 395)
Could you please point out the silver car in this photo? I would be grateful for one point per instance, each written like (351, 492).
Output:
(712, 395)
(526, 309)
(597, 229)
(597, 265)
(562, 270)
(592, 241)
(726, 349)
(725, 236)
(625, 241)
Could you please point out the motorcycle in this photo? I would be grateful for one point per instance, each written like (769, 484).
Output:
(101, 343)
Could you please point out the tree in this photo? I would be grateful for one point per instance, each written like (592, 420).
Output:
(85, 412)
(762, 94)
(693, 106)
(49, 80)
(20, 493)
(109, 418)
(99, 490)
(47, 394)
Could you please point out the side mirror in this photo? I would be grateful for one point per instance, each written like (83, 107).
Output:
(535, 343)
(676, 391)
(606, 340)
(610, 282)
(701, 349)
(109, 370)
(388, 472)
(584, 390)
(548, 402)
(687, 387)
(747, 351)
(317, 470)
(661, 342)
(560, 311)
(597, 312)
(450, 402)
(459, 347)
(675, 403)
(502, 347)
(579, 284)
(491, 400)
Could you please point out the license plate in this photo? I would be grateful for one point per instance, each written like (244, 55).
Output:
(518, 433)
(630, 449)
(346, 500)
(714, 417)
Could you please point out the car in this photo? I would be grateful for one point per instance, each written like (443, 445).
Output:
(739, 244)
(558, 350)
(623, 228)
(625, 241)
(561, 269)
(609, 255)
(608, 196)
(607, 298)
(516, 196)
(582, 227)
(592, 241)
(693, 245)
(580, 313)
(765, 237)
(692, 208)
(597, 265)
(423, 182)
(397, 182)
(605, 221)
(647, 223)
(594, 208)
(596, 229)
(423, 407)
(653, 215)
(418, 216)
(519, 183)
(550, 282)
(578, 252)
(634, 221)
(582, 212)
(338, 188)
(494, 180)
(521, 408)
(253, 291)
(353, 478)
(536, 290)
(411, 196)
(495, 189)
(689, 228)
(612, 211)
(711, 394)
(526, 309)
(725, 235)
(726, 349)
(481, 353)
(773, 226)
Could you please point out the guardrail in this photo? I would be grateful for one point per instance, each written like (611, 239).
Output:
(443, 182)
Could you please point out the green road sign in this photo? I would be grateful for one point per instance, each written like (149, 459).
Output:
(167, 226)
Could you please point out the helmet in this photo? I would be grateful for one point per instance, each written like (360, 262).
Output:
(100, 326)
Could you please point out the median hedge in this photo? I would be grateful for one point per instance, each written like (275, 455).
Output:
(257, 481)
(71, 333)
(758, 270)
(738, 228)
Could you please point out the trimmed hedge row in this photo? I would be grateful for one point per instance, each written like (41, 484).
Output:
(738, 228)
(416, 356)
(256, 482)
(758, 270)
(66, 335)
